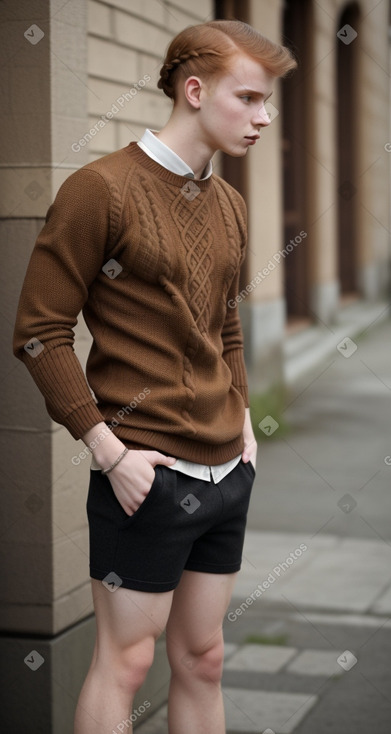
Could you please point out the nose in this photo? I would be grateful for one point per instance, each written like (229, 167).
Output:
(262, 117)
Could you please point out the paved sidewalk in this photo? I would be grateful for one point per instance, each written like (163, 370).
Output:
(308, 632)
(308, 643)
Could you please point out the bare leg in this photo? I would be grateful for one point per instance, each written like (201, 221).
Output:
(196, 652)
(128, 624)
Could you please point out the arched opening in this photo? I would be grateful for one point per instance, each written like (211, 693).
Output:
(297, 35)
(347, 146)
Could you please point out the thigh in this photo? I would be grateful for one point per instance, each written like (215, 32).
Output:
(198, 607)
(126, 617)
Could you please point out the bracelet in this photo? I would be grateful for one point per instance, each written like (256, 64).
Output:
(121, 456)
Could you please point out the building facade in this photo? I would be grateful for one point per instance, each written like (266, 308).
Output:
(79, 81)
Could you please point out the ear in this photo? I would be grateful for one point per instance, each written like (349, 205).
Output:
(193, 87)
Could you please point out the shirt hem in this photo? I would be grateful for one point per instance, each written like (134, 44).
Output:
(180, 447)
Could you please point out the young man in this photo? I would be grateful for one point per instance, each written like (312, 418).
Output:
(149, 244)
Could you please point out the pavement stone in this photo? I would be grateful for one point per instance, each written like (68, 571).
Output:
(316, 662)
(260, 658)
(382, 605)
(352, 620)
(249, 711)
(229, 649)
(255, 711)
(333, 574)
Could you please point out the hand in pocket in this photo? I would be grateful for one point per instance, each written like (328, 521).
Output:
(133, 477)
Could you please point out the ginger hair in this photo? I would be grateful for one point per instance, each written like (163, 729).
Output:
(209, 49)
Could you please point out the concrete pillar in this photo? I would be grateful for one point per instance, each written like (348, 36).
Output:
(263, 311)
(374, 155)
(44, 535)
(322, 169)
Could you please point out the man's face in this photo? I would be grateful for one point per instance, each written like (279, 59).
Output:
(232, 110)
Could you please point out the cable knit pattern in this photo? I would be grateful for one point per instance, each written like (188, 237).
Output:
(153, 264)
(193, 222)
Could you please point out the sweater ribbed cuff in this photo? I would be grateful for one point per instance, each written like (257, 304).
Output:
(82, 420)
(235, 362)
(58, 374)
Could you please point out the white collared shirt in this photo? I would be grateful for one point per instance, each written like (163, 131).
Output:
(162, 154)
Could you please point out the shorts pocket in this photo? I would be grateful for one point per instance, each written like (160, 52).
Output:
(250, 466)
(103, 506)
(152, 496)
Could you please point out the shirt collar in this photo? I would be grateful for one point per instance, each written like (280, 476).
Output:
(161, 153)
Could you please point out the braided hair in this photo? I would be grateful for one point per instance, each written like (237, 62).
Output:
(208, 49)
(168, 72)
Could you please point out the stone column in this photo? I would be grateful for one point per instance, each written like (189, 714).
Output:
(45, 587)
(263, 310)
(322, 169)
(374, 152)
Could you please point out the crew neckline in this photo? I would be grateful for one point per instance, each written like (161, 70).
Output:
(163, 173)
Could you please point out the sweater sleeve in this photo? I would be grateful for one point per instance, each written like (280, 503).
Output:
(233, 343)
(68, 254)
(232, 335)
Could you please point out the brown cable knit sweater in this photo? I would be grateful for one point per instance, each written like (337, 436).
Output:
(152, 262)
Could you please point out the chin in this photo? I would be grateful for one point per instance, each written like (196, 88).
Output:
(235, 152)
(239, 154)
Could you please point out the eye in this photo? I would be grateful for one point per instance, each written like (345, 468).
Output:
(246, 97)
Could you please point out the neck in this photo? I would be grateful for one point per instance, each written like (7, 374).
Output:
(181, 134)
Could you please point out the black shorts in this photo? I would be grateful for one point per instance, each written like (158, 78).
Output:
(183, 523)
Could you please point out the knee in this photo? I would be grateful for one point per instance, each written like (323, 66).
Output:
(204, 665)
(133, 664)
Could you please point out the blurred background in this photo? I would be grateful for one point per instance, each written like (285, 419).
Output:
(78, 81)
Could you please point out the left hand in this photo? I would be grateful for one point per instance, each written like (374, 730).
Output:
(250, 444)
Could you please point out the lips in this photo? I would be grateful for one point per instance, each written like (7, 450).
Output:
(252, 137)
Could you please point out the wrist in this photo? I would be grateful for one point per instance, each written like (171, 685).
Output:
(103, 444)
(116, 462)
(250, 443)
(249, 438)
